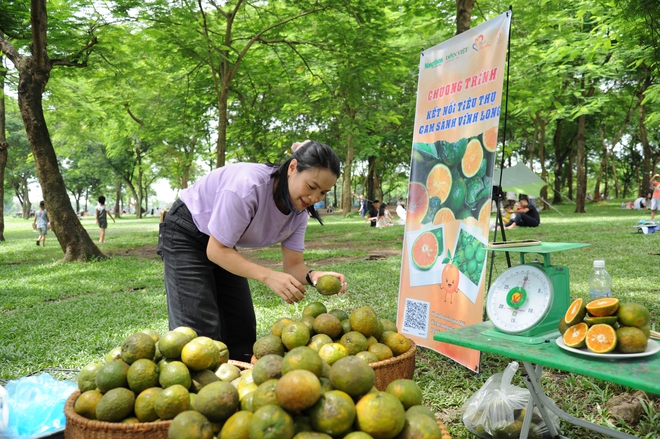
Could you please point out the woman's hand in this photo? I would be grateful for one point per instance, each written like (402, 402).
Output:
(285, 286)
(317, 274)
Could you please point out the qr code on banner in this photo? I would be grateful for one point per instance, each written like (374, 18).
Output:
(416, 318)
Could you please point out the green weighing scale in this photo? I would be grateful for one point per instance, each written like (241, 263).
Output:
(526, 302)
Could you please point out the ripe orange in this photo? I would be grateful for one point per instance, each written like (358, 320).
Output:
(302, 357)
(490, 139)
(333, 414)
(633, 314)
(328, 324)
(472, 158)
(271, 421)
(407, 391)
(380, 414)
(237, 426)
(631, 340)
(295, 334)
(576, 335)
(605, 306)
(601, 338)
(298, 390)
(438, 182)
(576, 312)
(352, 375)
(418, 203)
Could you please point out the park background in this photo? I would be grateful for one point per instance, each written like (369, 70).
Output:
(133, 93)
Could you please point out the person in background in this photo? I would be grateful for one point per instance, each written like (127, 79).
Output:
(242, 205)
(363, 204)
(655, 197)
(639, 203)
(40, 223)
(372, 213)
(401, 213)
(101, 215)
(526, 216)
(384, 216)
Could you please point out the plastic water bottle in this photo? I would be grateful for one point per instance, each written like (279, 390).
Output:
(600, 281)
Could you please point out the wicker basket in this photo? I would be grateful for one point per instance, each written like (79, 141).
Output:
(402, 366)
(391, 369)
(443, 429)
(79, 427)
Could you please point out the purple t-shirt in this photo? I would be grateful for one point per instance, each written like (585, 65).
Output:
(235, 205)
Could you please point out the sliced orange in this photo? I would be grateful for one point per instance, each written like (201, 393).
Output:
(575, 336)
(484, 213)
(490, 139)
(438, 182)
(608, 320)
(605, 306)
(575, 313)
(474, 155)
(601, 338)
(418, 202)
(443, 216)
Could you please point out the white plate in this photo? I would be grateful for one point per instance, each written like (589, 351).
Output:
(652, 348)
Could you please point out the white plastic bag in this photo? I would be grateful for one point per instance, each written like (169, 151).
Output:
(498, 408)
(33, 406)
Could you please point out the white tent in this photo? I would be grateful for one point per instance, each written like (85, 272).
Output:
(521, 180)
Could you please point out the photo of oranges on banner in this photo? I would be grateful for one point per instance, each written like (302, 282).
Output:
(452, 180)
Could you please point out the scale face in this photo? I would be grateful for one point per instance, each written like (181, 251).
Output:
(520, 300)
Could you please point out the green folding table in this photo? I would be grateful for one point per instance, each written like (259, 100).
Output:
(641, 373)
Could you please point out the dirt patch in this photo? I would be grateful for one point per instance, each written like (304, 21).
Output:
(144, 252)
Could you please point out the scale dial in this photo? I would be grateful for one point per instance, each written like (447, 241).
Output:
(519, 299)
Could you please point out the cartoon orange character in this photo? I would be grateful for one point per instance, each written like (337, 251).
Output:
(450, 277)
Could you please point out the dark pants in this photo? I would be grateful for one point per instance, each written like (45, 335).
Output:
(524, 220)
(201, 294)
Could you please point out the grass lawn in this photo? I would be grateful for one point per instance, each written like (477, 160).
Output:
(66, 315)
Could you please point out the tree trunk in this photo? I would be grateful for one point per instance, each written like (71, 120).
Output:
(34, 72)
(603, 164)
(118, 199)
(3, 149)
(223, 97)
(371, 172)
(138, 198)
(346, 192)
(581, 171)
(463, 15)
(616, 180)
(544, 172)
(569, 176)
(556, 142)
(647, 170)
(25, 196)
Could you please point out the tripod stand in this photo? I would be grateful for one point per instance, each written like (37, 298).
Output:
(498, 197)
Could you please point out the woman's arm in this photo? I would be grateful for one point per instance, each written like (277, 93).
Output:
(284, 285)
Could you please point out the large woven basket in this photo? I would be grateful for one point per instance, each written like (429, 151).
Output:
(79, 427)
(395, 368)
(391, 369)
(443, 429)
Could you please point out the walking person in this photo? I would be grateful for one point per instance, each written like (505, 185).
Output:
(100, 215)
(242, 205)
(40, 223)
(655, 197)
(363, 204)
